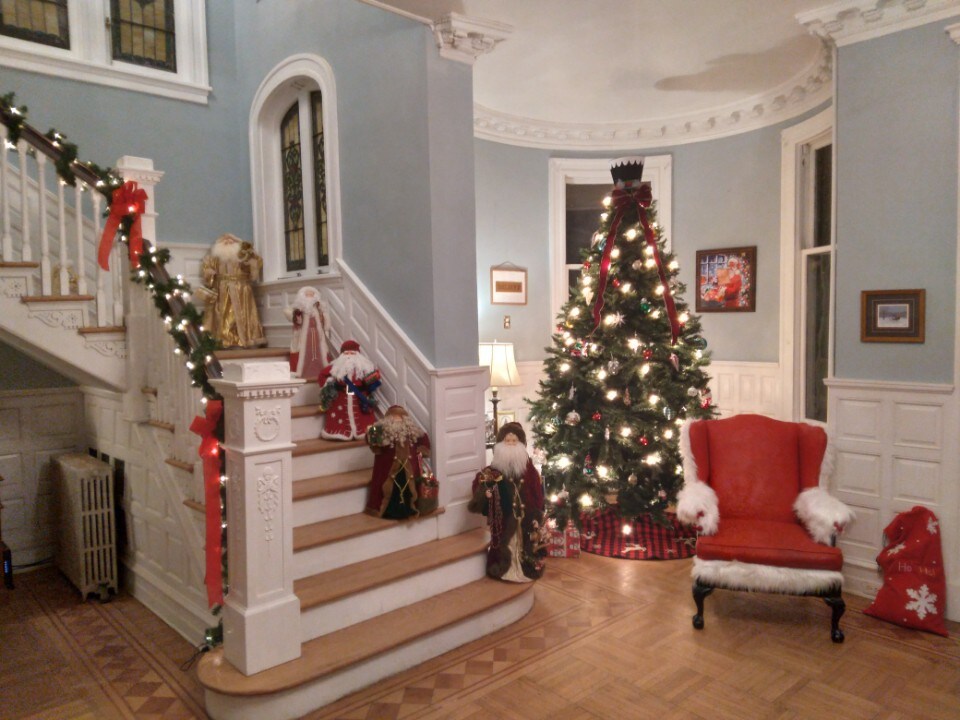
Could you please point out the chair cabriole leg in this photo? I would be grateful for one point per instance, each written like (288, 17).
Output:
(699, 593)
(838, 606)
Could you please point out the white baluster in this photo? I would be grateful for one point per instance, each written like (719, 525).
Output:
(26, 254)
(78, 216)
(116, 275)
(103, 305)
(7, 242)
(64, 275)
(46, 282)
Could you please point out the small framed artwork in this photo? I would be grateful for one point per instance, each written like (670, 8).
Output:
(508, 285)
(726, 280)
(892, 316)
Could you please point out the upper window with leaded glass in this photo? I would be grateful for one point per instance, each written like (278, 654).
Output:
(143, 32)
(39, 21)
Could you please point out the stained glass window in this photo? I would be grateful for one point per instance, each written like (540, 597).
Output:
(320, 179)
(143, 33)
(293, 222)
(41, 21)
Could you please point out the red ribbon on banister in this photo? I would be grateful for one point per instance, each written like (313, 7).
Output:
(206, 428)
(624, 199)
(128, 199)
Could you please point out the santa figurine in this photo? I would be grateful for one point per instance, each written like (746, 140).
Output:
(309, 349)
(400, 446)
(228, 272)
(510, 494)
(346, 394)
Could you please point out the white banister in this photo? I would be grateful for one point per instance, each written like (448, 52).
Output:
(26, 254)
(63, 281)
(261, 617)
(104, 311)
(7, 241)
(46, 283)
(78, 223)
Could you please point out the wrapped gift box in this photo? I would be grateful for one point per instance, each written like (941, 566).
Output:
(564, 542)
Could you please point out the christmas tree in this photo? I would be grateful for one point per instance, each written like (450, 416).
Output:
(625, 369)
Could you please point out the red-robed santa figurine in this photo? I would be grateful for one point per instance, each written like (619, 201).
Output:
(510, 494)
(309, 350)
(346, 394)
(399, 445)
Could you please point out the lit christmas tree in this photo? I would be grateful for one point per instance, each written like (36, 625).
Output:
(626, 368)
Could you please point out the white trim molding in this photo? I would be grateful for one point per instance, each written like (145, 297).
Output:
(852, 21)
(464, 39)
(806, 90)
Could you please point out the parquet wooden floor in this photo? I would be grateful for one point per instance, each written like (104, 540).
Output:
(607, 639)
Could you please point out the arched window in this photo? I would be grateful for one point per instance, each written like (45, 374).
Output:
(293, 152)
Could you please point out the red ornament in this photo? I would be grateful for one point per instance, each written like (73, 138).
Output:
(644, 440)
(647, 353)
(586, 265)
(597, 416)
(616, 282)
(575, 353)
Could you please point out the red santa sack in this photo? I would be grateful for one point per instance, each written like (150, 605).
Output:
(914, 591)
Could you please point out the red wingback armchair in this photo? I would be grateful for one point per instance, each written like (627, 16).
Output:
(752, 490)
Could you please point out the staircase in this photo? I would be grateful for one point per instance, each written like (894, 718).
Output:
(376, 596)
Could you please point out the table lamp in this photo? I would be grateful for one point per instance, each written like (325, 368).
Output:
(499, 358)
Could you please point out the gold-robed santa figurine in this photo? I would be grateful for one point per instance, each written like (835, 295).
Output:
(400, 447)
(509, 493)
(346, 394)
(228, 274)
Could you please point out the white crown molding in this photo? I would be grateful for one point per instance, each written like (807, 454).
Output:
(805, 91)
(464, 39)
(853, 21)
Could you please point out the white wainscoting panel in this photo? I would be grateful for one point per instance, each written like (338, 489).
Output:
(896, 447)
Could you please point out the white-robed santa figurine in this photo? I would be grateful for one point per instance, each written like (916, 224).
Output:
(346, 394)
(309, 349)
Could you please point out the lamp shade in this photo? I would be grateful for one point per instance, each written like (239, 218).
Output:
(503, 367)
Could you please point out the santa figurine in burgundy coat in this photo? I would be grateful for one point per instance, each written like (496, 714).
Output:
(400, 446)
(346, 394)
(309, 350)
(509, 493)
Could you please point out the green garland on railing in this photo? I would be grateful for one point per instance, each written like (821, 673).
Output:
(171, 296)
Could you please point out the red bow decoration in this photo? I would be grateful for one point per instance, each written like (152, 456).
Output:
(206, 428)
(128, 199)
(623, 200)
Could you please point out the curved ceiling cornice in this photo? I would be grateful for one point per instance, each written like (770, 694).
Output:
(807, 90)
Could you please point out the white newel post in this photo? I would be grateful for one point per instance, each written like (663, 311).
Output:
(261, 616)
(135, 407)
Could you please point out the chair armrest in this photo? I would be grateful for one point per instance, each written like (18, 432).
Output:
(822, 514)
(697, 505)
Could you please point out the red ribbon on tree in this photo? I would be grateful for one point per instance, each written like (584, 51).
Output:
(206, 428)
(128, 199)
(624, 199)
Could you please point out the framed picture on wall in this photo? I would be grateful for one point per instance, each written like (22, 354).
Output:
(726, 280)
(892, 316)
(508, 285)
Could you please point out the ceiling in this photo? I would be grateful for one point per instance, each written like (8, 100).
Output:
(605, 71)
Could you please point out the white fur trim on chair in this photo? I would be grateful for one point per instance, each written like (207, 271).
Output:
(735, 575)
(697, 503)
(822, 514)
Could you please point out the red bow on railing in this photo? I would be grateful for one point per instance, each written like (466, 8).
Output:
(623, 200)
(206, 428)
(128, 199)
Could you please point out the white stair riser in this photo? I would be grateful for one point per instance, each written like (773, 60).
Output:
(350, 610)
(307, 428)
(307, 394)
(298, 701)
(400, 535)
(329, 463)
(328, 507)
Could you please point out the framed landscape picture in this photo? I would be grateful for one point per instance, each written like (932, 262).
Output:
(892, 316)
(726, 280)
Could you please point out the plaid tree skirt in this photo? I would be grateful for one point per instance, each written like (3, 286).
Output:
(602, 533)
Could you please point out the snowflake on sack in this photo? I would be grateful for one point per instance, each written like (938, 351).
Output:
(932, 526)
(896, 548)
(923, 601)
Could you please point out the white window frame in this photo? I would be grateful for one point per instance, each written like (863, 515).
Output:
(90, 56)
(290, 80)
(657, 170)
(794, 210)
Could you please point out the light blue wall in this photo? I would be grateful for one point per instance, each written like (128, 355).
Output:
(405, 125)
(897, 196)
(726, 192)
(19, 372)
(201, 148)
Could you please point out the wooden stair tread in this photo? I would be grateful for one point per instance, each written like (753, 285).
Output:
(325, 532)
(179, 464)
(54, 298)
(352, 579)
(105, 329)
(331, 653)
(298, 411)
(19, 265)
(162, 425)
(194, 505)
(247, 353)
(319, 445)
(329, 484)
